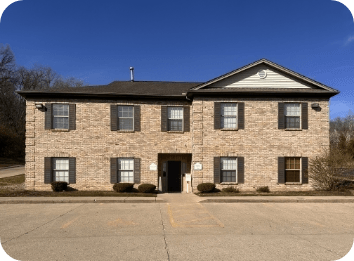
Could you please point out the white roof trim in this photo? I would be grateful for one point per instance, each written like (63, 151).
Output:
(264, 61)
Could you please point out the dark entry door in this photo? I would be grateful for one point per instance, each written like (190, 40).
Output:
(174, 176)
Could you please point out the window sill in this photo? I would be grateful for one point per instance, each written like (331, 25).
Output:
(293, 129)
(228, 183)
(181, 132)
(60, 130)
(125, 131)
(229, 129)
(293, 183)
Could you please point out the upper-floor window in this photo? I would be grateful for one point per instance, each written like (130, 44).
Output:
(60, 116)
(175, 118)
(292, 112)
(126, 118)
(228, 115)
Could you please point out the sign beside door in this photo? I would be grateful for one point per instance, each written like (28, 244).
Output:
(198, 166)
(153, 166)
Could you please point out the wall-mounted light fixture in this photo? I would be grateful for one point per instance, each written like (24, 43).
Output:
(315, 105)
(39, 106)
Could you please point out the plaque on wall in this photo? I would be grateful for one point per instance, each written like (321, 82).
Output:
(153, 166)
(198, 166)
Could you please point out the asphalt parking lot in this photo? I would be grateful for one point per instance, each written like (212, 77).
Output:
(177, 230)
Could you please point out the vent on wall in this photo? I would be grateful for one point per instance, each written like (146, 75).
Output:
(262, 74)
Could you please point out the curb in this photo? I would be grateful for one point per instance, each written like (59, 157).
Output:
(10, 167)
(58, 201)
(277, 201)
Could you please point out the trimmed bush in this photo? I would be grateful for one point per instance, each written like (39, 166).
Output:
(230, 190)
(146, 188)
(123, 187)
(206, 187)
(263, 189)
(59, 186)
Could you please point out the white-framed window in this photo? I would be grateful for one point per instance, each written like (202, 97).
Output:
(61, 169)
(60, 116)
(228, 115)
(228, 169)
(175, 118)
(292, 112)
(292, 169)
(126, 117)
(125, 170)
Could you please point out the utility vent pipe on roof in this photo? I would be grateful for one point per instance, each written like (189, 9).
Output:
(132, 74)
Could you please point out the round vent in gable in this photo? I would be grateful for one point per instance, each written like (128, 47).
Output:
(262, 74)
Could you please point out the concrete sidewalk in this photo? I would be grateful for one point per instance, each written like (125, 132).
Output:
(278, 199)
(12, 171)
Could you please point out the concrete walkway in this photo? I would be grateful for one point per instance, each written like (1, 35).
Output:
(12, 171)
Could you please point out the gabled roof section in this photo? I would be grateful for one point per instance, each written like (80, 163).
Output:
(278, 67)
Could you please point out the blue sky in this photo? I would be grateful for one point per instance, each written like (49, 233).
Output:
(97, 41)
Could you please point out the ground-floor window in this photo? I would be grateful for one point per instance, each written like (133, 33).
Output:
(292, 169)
(228, 169)
(61, 169)
(125, 170)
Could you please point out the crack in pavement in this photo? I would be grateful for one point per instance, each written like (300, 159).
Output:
(42, 225)
(164, 234)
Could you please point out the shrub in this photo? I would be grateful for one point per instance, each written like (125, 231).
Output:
(206, 187)
(263, 189)
(230, 190)
(58, 186)
(146, 188)
(123, 187)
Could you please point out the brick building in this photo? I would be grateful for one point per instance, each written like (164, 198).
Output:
(256, 126)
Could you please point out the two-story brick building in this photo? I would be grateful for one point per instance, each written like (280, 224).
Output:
(256, 126)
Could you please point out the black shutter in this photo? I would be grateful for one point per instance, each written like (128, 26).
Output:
(114, 172)
(281, 120)
(48, 177)
(281, 170)
(137, 118)
(136, 170)
(241, 115)
(72, 117)
(186, 118)
(305, 166)
(217, 115)
(216, 170)
(72, 170)
(163, 118)
(114, 117)
(305, 116)
(48, 116)
(240, 170)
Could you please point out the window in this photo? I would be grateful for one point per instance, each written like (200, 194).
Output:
(292, 170)
(292, 113)
(60, 116)
(228, 115)
(126, 118)
(228, 169)
(125, 170)
(61, 169)
(175, 118)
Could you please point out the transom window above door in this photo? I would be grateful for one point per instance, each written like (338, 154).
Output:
(175, 118)
(228, 115)
(126, 118)
(60, 116)
(292, 113)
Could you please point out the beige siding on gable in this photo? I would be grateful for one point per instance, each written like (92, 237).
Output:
(250, 79)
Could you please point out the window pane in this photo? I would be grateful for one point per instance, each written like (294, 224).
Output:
(228, 176)
(292, 176)
(292, 122)
(125, 123)
(61, 123)
(126, 164)
(175, 112)
(126, 176)
(60, 109)
(292, 109)
(228, 109)
(175, 125)
(125, 111)
(228, 164)
(61, 176)
(61, 164)
(228, 123)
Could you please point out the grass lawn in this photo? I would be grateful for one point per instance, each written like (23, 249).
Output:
(20, 179)
(277, 193)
